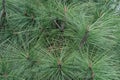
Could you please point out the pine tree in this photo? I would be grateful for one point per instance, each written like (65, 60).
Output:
(59, 40)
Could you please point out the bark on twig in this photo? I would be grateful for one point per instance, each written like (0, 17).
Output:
(91, 73)
(84, 39)
(3, 13)
(60, 25)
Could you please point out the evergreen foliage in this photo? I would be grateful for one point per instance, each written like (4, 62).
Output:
(59, 40)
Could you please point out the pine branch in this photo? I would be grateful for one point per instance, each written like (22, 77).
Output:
(91, 73)
(3, 13)
(84, 39)
(59, 25)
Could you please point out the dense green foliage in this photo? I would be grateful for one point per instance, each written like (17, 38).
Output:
(59, 40)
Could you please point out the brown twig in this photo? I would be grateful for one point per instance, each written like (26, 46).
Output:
(91, 74)
(3, 4)
(3, 13)
(59, 25)
(59, 64)
(85, 37)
